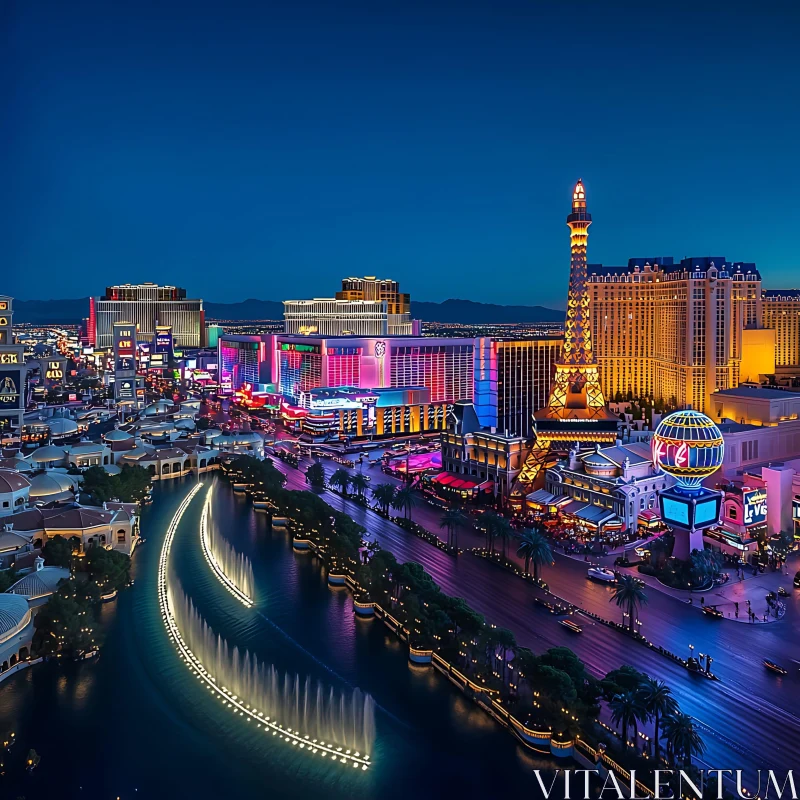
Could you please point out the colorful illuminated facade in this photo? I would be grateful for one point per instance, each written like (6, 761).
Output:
(147, 306)
(374, 413)
(512, 381)
(576, 410)
(444, 366)
(243, 359)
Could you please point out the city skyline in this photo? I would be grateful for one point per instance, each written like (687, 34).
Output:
(181, 168)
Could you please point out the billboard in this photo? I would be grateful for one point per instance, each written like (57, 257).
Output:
(755, 506)
(11, 390)
(163, 341)
(124, 389)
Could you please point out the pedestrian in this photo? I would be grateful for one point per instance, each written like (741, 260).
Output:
(702, 601)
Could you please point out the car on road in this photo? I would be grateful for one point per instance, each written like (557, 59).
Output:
(623, 561)
(776, 668)
(570, 625)
(713, 612)
(797, 579)
(601, 574)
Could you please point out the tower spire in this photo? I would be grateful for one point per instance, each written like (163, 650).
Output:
(576, 410)
(577, 331)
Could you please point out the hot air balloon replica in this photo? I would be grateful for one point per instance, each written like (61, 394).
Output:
(688, 446)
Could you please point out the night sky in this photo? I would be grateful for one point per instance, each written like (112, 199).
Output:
(270, 149)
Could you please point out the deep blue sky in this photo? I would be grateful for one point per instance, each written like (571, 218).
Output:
(269, 149)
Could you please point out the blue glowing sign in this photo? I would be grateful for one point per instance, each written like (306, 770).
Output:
(755, 506)
(675, 511)
(706, 512)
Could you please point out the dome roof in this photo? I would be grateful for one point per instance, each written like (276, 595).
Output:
(50, 485)
(14, 614)
(11, 481)
(40, 583)
(159, 407)
(117, 436)
(86, 447)
(50, 452)
(185, 425)
(61, 426)
(137, 453)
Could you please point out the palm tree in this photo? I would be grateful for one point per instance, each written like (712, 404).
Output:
(359, 483)
(504, 533)
(315, 474)
(627, 711)
(657, 699)
(405, 498)
(341, 480)
(490, 522)
(536, 550)
(384, 493)
(629, 595)
(451, 519)
(682, 737)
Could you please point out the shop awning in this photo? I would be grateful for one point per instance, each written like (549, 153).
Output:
(541, 497)
(591, 515)
(460, 482)
(649, 516)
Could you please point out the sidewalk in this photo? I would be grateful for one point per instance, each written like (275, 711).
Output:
(753, 588)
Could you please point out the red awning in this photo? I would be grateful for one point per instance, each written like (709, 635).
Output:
(649, 516)
(452, 481)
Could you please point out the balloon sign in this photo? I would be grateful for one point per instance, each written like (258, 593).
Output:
(688, 446)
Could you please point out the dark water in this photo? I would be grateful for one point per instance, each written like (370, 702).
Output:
(136, 724)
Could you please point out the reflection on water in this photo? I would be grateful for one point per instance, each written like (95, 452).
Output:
(136, 724)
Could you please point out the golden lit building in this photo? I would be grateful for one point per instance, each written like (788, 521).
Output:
(675, 331)
(371, 288)
(782, 313)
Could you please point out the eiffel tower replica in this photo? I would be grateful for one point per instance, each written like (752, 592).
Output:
(576, 411)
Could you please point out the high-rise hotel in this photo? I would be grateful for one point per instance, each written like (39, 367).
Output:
(677, 331)
(364, 307)
(782, 314)
(146, 305)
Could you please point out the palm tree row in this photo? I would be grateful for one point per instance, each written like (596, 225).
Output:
(653, 700)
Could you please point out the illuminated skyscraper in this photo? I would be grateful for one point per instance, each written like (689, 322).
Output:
(676, 332)
(576, 411)
(147, 305)
(782, 313)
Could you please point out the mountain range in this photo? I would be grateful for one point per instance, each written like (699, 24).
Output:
(464, 311)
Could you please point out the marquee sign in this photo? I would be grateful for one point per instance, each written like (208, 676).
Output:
(755, 506)
(54, 371)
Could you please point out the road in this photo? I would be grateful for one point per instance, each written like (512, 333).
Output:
(750, 719)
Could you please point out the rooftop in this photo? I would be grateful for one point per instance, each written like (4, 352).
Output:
(757, 393)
